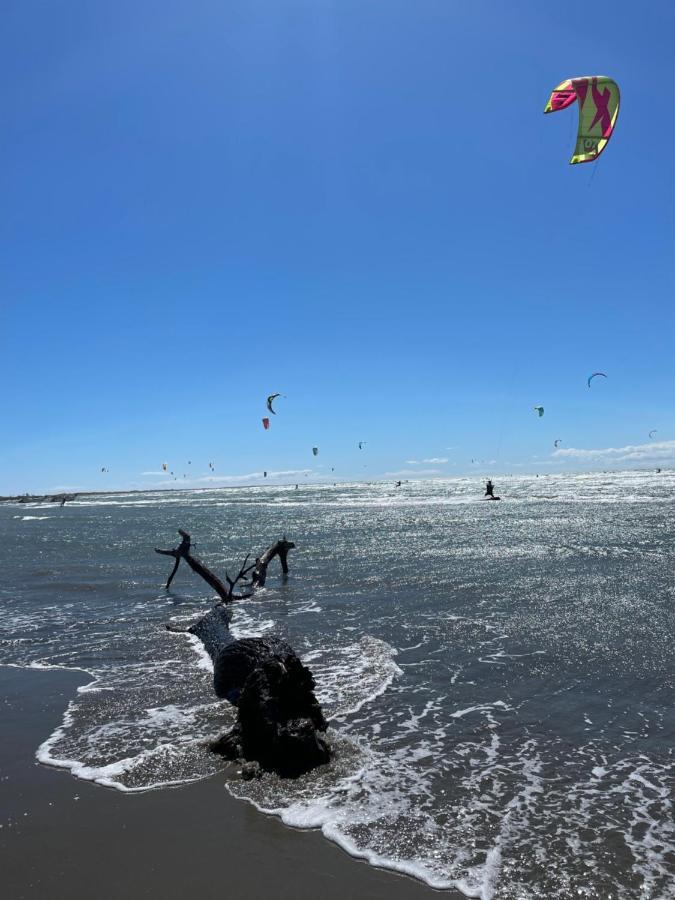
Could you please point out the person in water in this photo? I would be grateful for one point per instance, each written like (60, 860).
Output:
(489, 488)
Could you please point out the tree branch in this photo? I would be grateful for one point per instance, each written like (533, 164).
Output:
(226, 594)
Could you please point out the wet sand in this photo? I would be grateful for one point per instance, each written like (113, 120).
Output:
(72, 840)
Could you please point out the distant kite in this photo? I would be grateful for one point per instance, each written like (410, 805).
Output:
(315, 451)
(653, 432)
(270, 399)
(165, 467)
(362, 444)
(598, 98)
(595, 375)
(557, 442)
(539, 410)
(266, 423)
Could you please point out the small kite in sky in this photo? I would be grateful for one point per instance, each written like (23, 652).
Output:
(270, 400)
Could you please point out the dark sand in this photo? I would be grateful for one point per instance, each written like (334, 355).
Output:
(71, 840)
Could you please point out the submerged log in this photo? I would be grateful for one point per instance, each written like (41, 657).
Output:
(279, 719)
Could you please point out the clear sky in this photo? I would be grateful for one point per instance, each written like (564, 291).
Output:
(360, 205)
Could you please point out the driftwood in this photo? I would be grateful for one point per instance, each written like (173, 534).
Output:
(227, 594)
(279, 719)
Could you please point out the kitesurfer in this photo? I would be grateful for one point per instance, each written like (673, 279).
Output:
(489, 489)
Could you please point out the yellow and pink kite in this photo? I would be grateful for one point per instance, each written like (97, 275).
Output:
(598, 98)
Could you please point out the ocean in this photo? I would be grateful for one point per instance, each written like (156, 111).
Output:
(498, 676)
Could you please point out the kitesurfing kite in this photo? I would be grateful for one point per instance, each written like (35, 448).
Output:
(595, 375)
(269, 402)
(264, 474)
(165, 466)
(362, 444)
(598, 98)
(652, 432)
(556, 442)
(539, 410)
(266, 423)
(315, 451)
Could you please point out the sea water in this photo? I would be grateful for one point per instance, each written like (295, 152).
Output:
(498, 676)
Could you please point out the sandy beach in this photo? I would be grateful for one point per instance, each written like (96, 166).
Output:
(70, 840)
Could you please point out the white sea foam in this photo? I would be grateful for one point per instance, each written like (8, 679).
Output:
(481, 881)
(353, 675)
(204, 661)
(111, 774)
(36, 664)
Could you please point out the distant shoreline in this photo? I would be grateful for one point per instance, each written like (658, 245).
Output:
(69, 496)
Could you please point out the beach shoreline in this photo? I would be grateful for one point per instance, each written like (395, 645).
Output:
(72, 839)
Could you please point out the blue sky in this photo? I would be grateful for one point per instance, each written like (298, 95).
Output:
(360, 205)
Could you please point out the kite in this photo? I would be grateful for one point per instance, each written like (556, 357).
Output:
(264, 474)
(539, 410)
(362, 444)
(315, 451)
(164, 467)
(652, 432)
(598, 98)
(556, 442)
(269, 402)
(595, 375)
(266, 423)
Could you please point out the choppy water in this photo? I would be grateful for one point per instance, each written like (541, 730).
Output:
(499, 675)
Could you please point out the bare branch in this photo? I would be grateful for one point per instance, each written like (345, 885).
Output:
(227, 594)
